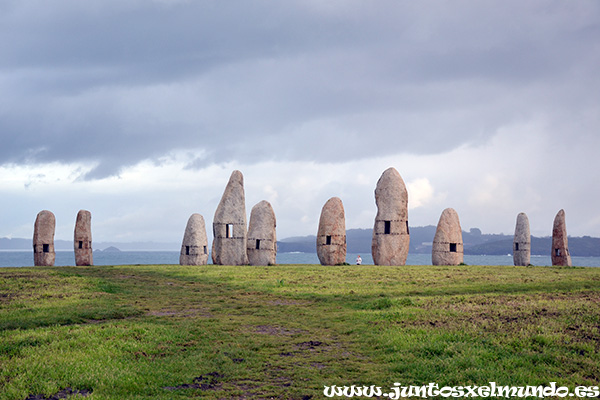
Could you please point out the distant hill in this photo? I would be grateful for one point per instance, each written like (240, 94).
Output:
(111, 249)
(302, 244)
(359, 241)
(62, 245)
(421, 239)
(585, 246)
(17, 244)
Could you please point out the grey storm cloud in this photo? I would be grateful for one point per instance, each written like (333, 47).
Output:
(117, 82)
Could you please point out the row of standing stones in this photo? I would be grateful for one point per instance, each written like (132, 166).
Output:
(391, 236)
(43, 239)
(234, 245)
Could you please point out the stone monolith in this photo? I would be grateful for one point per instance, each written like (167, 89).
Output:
(447, 243)
(331, 236)
(522, 241)
(43, 239)
(390, 233)
(83, 238)
(194, 247)
(262, 238)
(229, 224)
(560, 243)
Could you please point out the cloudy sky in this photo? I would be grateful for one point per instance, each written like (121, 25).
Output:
(139, 110)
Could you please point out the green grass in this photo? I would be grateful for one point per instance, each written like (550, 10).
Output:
(175, 332)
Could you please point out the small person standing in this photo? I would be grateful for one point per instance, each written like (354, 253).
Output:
(358, 260)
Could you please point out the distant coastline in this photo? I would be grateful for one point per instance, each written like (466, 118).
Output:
(475, 243)
(64, 245)
(359, 241)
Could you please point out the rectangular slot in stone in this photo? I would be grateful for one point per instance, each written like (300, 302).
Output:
(388, 227)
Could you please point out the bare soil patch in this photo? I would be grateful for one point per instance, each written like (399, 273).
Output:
(310, 345)
(276, 330)
(210, 381)
(63, 394)
(189, 312)
(288, 302)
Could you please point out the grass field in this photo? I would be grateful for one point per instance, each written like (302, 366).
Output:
(171, 332)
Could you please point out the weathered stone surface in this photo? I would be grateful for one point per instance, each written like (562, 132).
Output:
(390, 233)
(83, 238)
(447, 243)
(194, 247)
(522, 241)
(229, 224)
(331, 236)
(43, 239)
(560, 243)
(262, 238)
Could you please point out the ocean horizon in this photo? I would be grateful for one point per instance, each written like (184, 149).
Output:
(17, 258)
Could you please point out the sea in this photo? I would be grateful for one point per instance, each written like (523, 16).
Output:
(19, 258)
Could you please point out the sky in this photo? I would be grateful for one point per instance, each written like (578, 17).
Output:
(139, 110)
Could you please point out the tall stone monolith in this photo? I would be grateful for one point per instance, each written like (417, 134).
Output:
(331, 236)
(560, 243)
(194, 247)
(447, 243)
(522, 241)
(43, 239)
(262, 239)
(83, 238)
(229, 225)
(390, 233)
